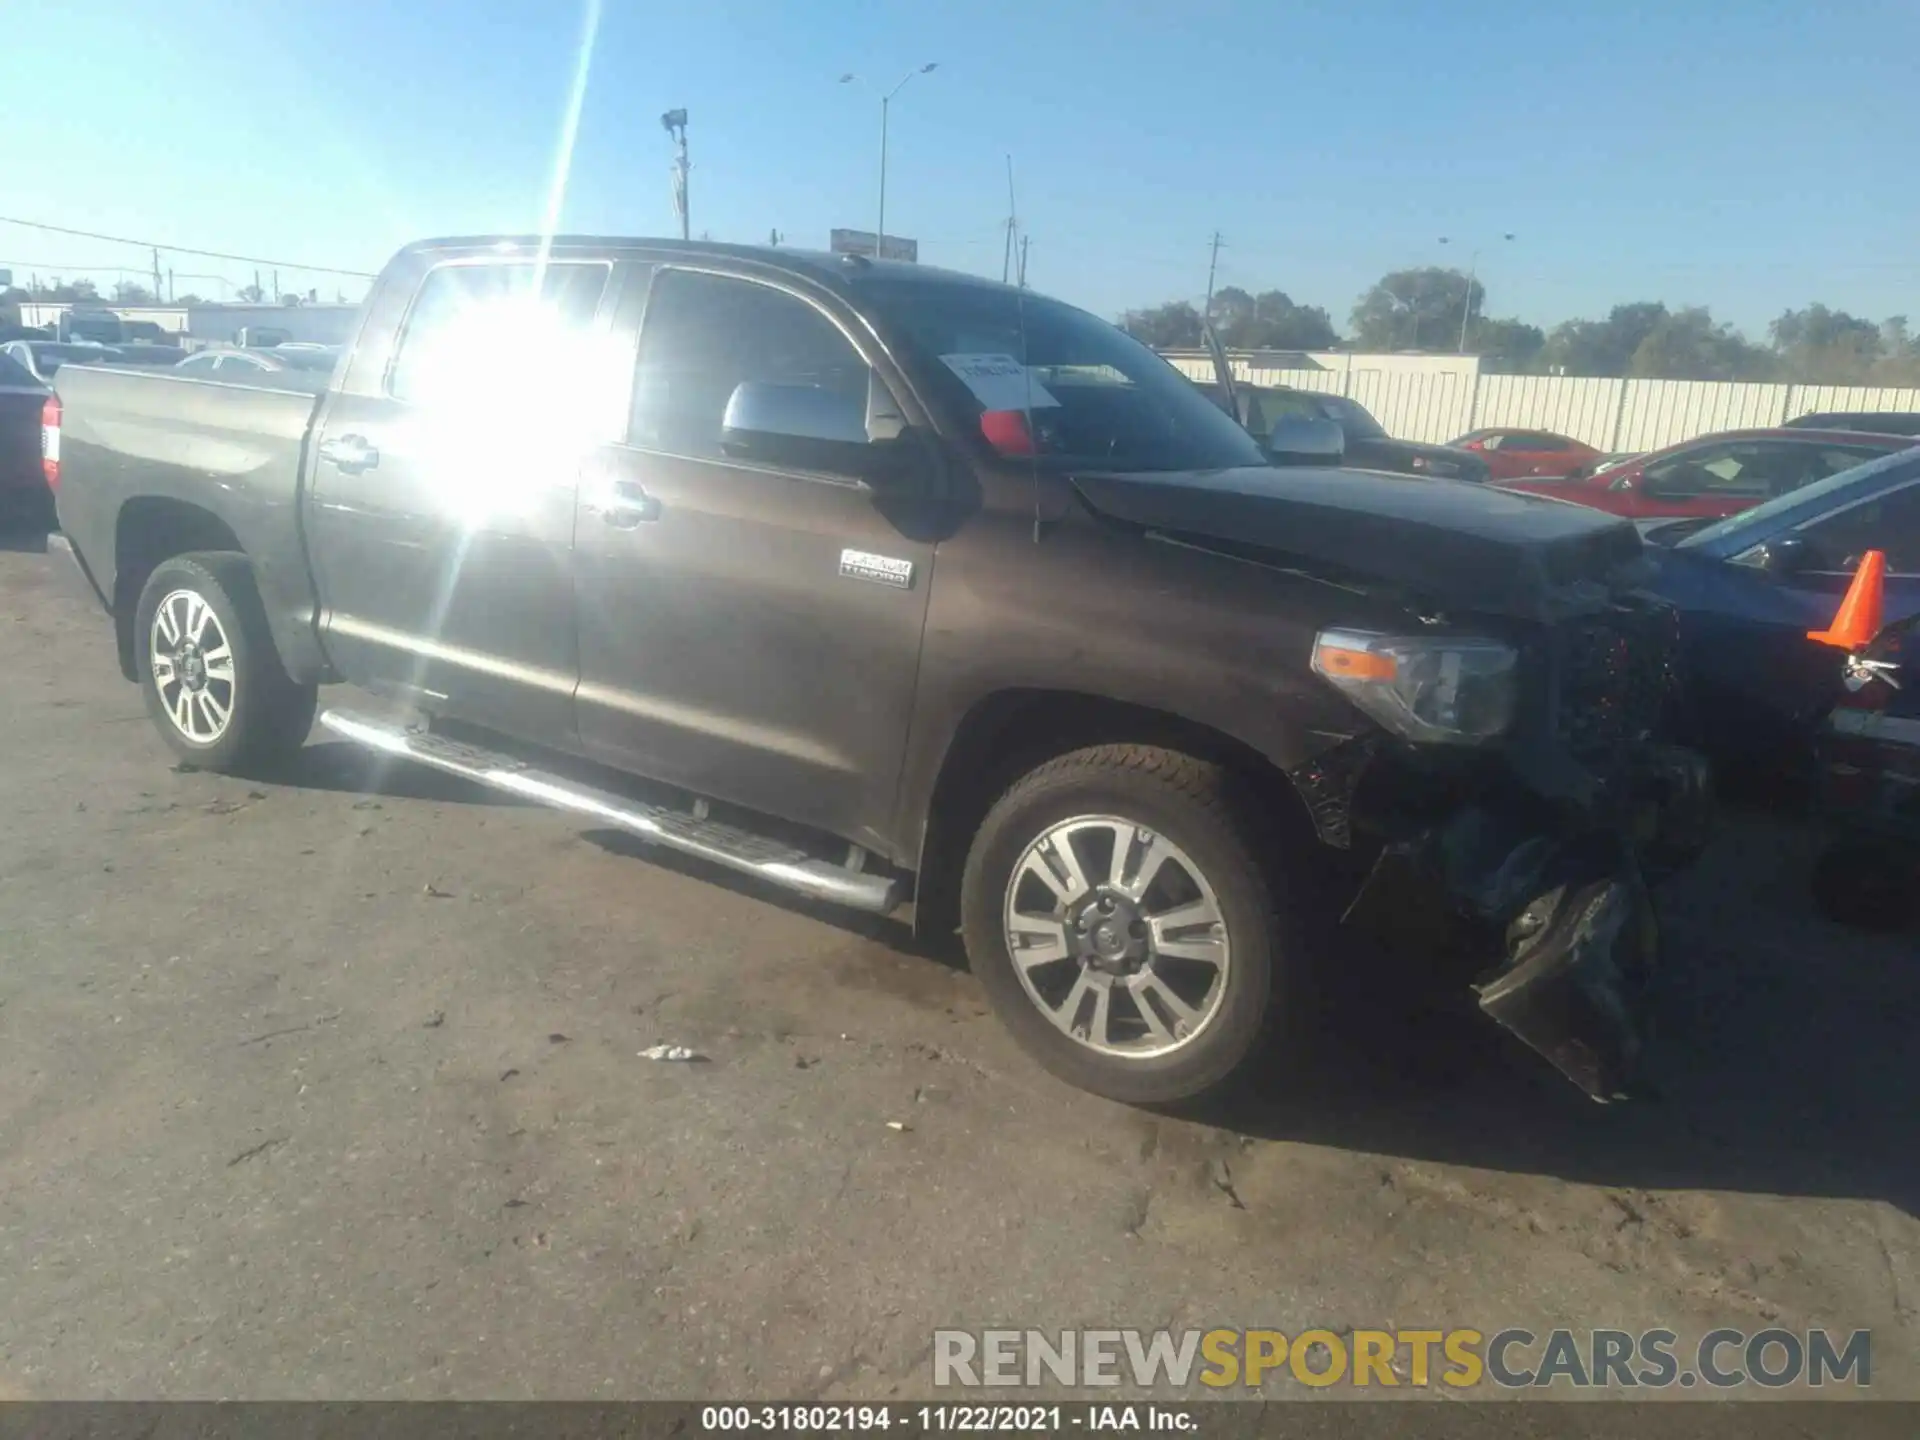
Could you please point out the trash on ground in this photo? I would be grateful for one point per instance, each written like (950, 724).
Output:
(898, 1125)
(671, 1052)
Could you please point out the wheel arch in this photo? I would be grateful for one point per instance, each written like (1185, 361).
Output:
(1009, 732)
(149, 531)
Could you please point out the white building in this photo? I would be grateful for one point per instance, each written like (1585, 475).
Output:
(216, 324)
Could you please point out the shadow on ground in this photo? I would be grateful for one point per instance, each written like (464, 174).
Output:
(1786, 1060)
(1786, 1057)
(23, 540)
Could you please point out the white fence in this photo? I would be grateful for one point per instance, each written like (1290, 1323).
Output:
(1609, 414)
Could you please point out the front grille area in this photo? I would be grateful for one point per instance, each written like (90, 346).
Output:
(1616, 678)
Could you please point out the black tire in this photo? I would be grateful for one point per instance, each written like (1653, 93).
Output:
(1865, 884)
(268, 714)
(1188, 802)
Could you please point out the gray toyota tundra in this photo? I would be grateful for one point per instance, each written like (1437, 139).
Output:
(892, 586)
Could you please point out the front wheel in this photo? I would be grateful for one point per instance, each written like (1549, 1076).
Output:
(212, 679)
(1118, 914)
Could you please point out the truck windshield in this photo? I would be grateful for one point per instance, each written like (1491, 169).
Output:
(1100, 399)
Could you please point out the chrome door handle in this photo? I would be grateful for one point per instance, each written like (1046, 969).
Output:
(628, 505)
(350, 453)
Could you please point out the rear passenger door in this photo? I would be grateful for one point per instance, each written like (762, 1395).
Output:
(440, 509)
(750, 631)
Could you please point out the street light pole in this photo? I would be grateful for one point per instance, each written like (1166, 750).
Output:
(886, 102)
(1466, 301)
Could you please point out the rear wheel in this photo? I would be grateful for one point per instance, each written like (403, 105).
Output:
(212, 679)
(1117, 911)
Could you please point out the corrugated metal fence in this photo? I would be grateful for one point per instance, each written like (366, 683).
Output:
(1609, 414)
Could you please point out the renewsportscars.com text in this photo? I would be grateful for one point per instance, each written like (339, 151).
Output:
(1511, 1358)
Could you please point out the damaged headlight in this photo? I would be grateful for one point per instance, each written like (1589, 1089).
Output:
(1436, 690)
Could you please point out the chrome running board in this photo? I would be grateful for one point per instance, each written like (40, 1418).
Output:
(691, 834)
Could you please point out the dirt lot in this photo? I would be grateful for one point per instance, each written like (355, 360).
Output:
(329, 1088)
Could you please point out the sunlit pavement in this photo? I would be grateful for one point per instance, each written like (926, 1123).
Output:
(312, 1092)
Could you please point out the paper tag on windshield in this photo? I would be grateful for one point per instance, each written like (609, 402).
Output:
(1000, 382)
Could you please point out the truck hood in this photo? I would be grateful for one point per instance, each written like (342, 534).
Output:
(1440, 542)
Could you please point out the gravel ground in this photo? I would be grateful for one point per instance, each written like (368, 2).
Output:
(330, 1088)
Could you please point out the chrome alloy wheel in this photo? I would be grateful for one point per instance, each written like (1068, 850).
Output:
(1117, 936)
(192, 666)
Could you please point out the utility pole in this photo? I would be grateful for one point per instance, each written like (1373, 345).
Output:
(674, 122)
(1023, 260)
(1213, 264)
(157, 296)
(1013, 225)
(275, 299)
(1466, 301)
(886, 102)
(171, 292)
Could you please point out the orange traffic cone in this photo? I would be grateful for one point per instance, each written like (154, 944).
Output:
(1858, 620)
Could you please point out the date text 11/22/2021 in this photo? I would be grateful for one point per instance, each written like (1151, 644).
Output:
(955, 1419)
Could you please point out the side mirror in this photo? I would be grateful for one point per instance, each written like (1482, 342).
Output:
(806, 428)
(1306, 440)
(1788, 555)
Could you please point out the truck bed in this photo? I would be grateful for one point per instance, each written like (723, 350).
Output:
(184, 450)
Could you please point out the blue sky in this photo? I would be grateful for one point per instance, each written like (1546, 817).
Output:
(1747, 157)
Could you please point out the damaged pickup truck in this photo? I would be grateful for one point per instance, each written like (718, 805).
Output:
(888, 586)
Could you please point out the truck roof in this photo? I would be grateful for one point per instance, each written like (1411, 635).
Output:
(819, 265)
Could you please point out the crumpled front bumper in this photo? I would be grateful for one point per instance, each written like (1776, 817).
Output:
(1557, 915)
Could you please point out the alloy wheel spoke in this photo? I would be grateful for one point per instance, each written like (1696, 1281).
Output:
(1145, 869)
(1054, 865)
(163, 673)
(1190, 932)
(1149, 988)
(216, 712)
(219, 662)
(198, 613)
(168, 622)
(182, 710)
(1036, 940)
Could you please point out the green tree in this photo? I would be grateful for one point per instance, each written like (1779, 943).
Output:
(1688, 345)
(1269, 321)
(1601, 347)
(1172, 326)
(1505, 346)
(250, 294)
(1829, 346)
(130, 292)
(1416, 309)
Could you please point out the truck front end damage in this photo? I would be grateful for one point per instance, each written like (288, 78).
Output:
(1534, 850)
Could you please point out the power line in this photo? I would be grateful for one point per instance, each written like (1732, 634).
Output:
(183, 249)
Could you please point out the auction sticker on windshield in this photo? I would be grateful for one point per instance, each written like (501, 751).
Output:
(1000, 382)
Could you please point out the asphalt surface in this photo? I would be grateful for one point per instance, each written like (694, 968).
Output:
(330, 1087)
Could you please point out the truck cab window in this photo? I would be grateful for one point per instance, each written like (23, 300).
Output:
(469, 321)
(704, 335)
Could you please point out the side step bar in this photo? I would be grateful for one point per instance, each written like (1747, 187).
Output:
(736, 849)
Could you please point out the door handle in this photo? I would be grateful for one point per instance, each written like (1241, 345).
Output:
(350, 453)
(628, 505)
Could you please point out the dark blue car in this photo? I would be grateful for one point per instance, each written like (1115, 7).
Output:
(1750, 587)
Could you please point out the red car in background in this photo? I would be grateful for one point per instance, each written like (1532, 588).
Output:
(1717, 475)
(1523, 454)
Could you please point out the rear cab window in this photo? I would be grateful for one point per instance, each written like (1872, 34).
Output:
(474, 326)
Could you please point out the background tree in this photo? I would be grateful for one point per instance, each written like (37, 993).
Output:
(250, 294)
(130, 292)
(1505, 347)
(1172, 326)
(1829, 346)
(1688, 345)
(1269, 321)
(1601, 347)
(1415, 310)
(55, 291)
